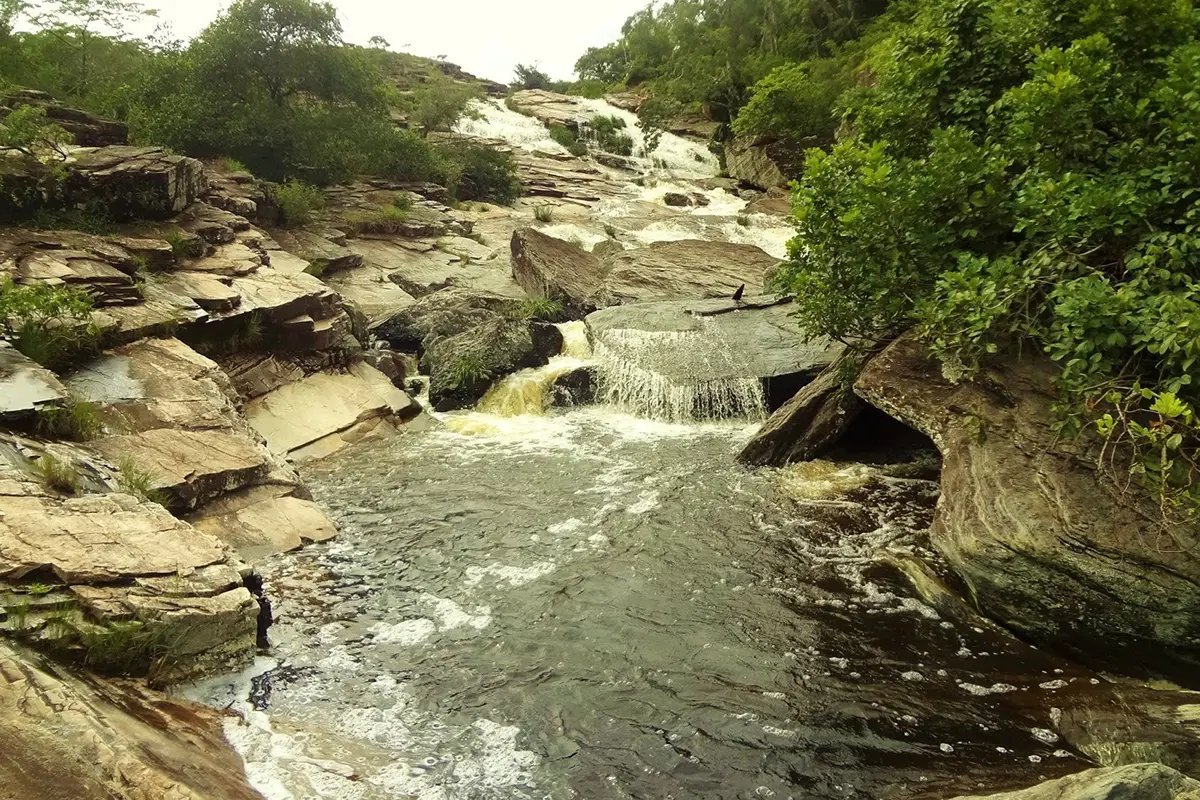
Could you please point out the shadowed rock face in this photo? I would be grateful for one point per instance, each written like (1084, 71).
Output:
(1046, 545)
(63, 737)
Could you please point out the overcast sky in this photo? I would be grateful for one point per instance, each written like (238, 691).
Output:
(485, 37)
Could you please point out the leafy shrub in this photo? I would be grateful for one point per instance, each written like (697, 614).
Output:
(795, 101)
(403, 201)
(297, 201)
(478, 172)
(51, 325)
(233, 165)
(1027, 179)
(568, 139)
(607, 133)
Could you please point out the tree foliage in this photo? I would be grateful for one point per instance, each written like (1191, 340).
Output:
(1027, 173)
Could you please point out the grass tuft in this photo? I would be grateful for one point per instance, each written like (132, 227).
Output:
(544, 213)
(75, 420)
(57, 474)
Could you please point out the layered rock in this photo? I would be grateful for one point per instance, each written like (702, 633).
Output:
(1045, 544)
(26, 388)
(552, 269)
(764, 163)
(87, 130)
(135, 182)
(1132, 782)
(66, 737)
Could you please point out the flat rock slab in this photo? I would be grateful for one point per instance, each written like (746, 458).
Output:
(158, 383)
(263, 521)
(1132, 782)
(25, 387)
(190, 467)
(703, 340)
(206, 291)
(160, 313)
(417, 271)
(369, 289)
(281, 296)
(323, 405)
(98, 539)
(323, 255)
(683, 269)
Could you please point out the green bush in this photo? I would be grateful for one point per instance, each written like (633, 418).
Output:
(386, 220)
(296, 202)
(568, 139)
(1025, 174)
(607, 133)
(481, 173)
(51, 325)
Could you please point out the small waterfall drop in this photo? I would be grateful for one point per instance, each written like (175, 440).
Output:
(674, 376)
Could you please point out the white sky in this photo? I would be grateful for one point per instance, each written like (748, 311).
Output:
(484, 37)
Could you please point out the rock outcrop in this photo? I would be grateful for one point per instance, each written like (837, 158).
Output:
(467, 340)
(809, 424)
(1046, 546)
(67, 737)
(1132, 782)
(763, 163)
(86, 129)
(25, 389)
(135, 182)
(686, 269)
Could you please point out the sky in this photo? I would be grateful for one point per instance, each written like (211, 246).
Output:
(485, 37)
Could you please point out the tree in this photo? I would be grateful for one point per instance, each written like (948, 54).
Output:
(81, 27)
(439, 104)
(379, 43)
(528, 76)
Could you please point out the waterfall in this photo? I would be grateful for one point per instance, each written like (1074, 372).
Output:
(528, 391)
(675, 376)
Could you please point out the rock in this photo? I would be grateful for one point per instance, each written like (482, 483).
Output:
(763, 163)
(370, 289)
(211, 224)
(466, 250)
(552, 269)
(776, 202)
(135, 182)
(550, 108)
(398, 367)
(322, 413)
(444, 313)
(1132, 782)
(677, 199)
(25, 388)
(158, 383)
(808, 424)
(86, 129)
(190, 467)
(69, 737)
(574, 388)
(207, 291)
(323, 255)
(416, 268)
(627, 101)
(1046, 546)
(161, 313)
(680, 270)
(69, 258)
(463, 366)
(264, 520)
(255, 374)
(701, 341)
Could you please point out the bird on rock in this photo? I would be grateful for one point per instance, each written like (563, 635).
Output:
(737, 296)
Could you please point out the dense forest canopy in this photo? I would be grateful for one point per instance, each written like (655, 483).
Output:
(269, 84)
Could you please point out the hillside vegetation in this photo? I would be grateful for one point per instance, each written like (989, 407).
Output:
(269, 84)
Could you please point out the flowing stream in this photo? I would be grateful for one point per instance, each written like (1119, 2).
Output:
(591, 603)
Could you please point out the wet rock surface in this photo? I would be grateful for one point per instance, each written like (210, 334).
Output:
(1140, 781)
(1045, 544)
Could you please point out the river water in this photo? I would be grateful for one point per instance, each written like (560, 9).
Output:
(591, 604)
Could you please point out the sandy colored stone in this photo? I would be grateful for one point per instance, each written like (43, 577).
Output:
(190, 467)
(322, 405)
(67, 738)
(264, 520)
(25, 387)
(206, 291)
(1132, 782)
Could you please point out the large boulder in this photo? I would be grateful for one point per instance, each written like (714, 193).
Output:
(1045, 544)
(1132, 782)
(553, 269)
(807, 425)
(135, 182)
(71, 737)
(689, 268)
(763, 163)
(322, 413)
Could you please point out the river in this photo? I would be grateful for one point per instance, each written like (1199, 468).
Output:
(593, 604)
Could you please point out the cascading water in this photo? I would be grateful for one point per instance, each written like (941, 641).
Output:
(657, 374)
(528, 391)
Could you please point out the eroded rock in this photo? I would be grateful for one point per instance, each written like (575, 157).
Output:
(1132, 782)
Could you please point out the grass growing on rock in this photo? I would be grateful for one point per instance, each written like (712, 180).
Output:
(75, 420)
(57, 474)
(388, 220)
(139, 482)
(297, 202)
(184, 245)
(467, 370)
(540, 308)
(544, 213)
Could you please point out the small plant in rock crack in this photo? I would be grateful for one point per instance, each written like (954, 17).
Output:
(139, 482)
(57, 474)
(540, 308)
(467, 370)
(544, 213)
(76, 420)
